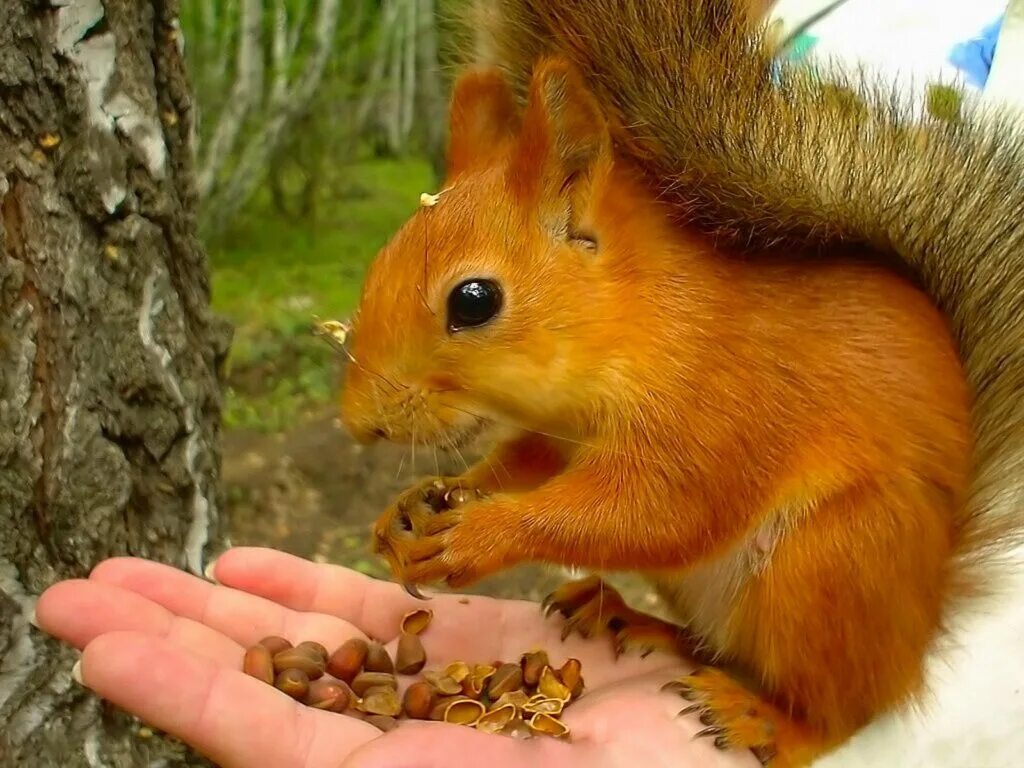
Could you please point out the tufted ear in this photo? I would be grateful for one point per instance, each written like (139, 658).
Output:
(563, 147)
(482, 119)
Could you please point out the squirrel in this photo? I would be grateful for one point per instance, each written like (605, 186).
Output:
(763, 347)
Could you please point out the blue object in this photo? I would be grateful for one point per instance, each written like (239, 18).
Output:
(974, 57)
(801, 46)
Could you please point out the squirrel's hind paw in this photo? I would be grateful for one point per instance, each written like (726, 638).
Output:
(736, 718)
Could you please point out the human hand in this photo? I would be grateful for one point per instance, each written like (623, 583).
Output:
(168, 647)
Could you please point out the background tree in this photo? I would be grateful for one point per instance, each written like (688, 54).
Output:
(290, 93)
(403, 101)
(109, 399)
(279, 51)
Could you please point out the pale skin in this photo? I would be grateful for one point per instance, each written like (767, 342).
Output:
(167, 647)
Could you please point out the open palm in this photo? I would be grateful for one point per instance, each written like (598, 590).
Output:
(168, 646)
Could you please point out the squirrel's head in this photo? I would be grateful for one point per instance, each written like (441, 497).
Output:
(474, 313)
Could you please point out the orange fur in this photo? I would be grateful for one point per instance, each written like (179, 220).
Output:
(792, 432)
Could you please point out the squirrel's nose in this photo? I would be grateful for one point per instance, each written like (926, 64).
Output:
(358, 416)
(365, 432)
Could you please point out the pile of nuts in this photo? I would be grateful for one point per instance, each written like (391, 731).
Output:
(359, 680)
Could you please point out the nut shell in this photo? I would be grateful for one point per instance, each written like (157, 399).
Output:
(315, 649)
(508, 678)
(518, 699)
(551, 687)
(414, 622)
(540, 704)
(496, 719)
(475, 685)
(458, 671)
(259, 663)
(410, 657)
(381, 700)
(330, 695)
(533, 664)
(463, 712)
(456, 497)
(304, 659)
(442, 683)
(548, 725)
(347, 661)
(441, 703)
(275, 644)
(571, 675)
(292, 681)
(364, 681)
(419, 700)
(378, 659)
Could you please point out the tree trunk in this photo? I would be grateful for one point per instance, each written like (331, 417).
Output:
(109, 357)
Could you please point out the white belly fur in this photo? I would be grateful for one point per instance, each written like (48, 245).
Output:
(971, 719)
(702, 596)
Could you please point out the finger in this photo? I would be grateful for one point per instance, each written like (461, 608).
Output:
(78, 611)
(233, 719)
(243, 617)
(376, 607)
(464, 627)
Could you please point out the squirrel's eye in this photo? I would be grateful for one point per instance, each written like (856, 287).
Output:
(472, 303)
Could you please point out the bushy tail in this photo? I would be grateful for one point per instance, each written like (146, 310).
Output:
(754, 154)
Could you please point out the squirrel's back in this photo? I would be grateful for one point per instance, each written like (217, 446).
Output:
(757, 153)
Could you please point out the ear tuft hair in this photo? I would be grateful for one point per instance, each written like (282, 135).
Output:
(483, 118)
(564, 139)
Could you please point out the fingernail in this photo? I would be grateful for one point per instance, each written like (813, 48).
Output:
(32, 618)
(76, 673)
(208, 571)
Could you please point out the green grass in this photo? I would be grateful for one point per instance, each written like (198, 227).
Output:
(271, 276)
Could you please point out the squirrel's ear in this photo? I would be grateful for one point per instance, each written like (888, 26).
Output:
(483, 117)
(563, 145)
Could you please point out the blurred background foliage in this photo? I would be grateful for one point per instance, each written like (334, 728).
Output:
(319, 123)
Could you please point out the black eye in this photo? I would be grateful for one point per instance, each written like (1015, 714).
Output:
(472, 303)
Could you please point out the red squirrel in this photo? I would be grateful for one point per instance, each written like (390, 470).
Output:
(779, 440)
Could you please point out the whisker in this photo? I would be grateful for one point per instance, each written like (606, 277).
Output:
(372, 372)
(494, 472)
(401, 466)
(336, 334)
(455, 449)
(426, 251)
(570, 440)
(461, 458)
(414, 449)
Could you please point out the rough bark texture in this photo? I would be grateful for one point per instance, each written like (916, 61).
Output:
(109, 396)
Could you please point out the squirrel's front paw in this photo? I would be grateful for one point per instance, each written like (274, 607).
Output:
(418, 505)
(433, 532)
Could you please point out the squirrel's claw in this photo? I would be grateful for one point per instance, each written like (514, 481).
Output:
(414, 591)
(731, 716)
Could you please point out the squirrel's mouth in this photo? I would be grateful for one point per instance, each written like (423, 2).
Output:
(463, 435)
